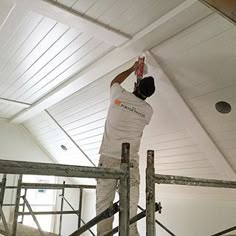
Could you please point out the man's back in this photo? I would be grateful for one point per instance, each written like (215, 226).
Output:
(126, 119)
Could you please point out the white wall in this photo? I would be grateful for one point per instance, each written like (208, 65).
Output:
(70, 222)
(190, 211)
(184, 213)
(195, 217)
(17, 144)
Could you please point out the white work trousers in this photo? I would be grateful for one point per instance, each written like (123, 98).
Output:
(106, 189)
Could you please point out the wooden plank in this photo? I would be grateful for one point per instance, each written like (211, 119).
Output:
(68, 3)
(29, 62)
(109, 62)
(182, 165)
(165, 18)
(177, 151)
(17, 19)
(181, 158)
(32, 41)
(190, 172)
(87, 93)
(182, 43)
(91, 54)
(83, 5)
(83, 108)
(13, 102)
(99, 8)
(226, 8)
(57, 65)
(76, 123)
(154, 10)
(30, 77)
(56, 11)
(78, 130)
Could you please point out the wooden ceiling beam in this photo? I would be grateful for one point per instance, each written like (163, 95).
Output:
(73, 19)
(112, 60)
(226, 8)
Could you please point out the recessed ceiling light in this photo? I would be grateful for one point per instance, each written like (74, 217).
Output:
(64, 147)
(223, 107)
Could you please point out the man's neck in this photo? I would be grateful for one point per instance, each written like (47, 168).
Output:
(138, 95)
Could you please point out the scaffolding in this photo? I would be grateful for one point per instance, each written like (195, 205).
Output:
(122, 174)
(152, 179)
(33, 168)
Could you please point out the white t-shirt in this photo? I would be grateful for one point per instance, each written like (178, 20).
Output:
(126, 119)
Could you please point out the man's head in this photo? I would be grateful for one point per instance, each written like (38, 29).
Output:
(145, 88)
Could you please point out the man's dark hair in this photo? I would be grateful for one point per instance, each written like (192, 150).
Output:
(146, 86)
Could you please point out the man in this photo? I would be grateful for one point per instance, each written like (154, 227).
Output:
(128, 114)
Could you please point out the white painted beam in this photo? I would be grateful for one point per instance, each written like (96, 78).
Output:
(14, 102)
(98, 69)
(74, 20)
(165, 18)
(185, 116)
(102, 66)
(227, 9)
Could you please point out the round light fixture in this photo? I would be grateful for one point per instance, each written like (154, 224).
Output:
(63, 147)
(223, 107)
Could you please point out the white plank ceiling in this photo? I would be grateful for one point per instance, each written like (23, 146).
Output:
(196, 49)
(201, 63)
(39, 55)
(121, 15)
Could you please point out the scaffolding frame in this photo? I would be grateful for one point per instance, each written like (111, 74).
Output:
(152, 179)
(33, 168)
(122, 174)
(26, 186)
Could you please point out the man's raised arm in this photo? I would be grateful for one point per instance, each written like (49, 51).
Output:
(124, 75)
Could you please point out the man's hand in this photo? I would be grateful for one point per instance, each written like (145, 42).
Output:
(135, 66)
(123, 76)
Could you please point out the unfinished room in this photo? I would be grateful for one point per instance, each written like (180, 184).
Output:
(117, 117)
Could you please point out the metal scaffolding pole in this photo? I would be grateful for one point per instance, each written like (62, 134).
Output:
(3, 186)
(31, 168)
(49, 169)
(50, 213)
(33, 216)
(103, 215)
(11, 205)
(2, 193)
(225, 231)
(150, 194)
(78, 214)
(124, 191)
(160, 224)
(80, 207)
(136, 218)
(14, 227)
(62, 204)
(23, 210)
(182, 180)
(55, 186)
(7, 232)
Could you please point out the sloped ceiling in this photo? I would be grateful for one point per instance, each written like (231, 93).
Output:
(50, 60)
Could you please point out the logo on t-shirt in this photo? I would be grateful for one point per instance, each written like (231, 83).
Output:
(117, 102)
(132, 109)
